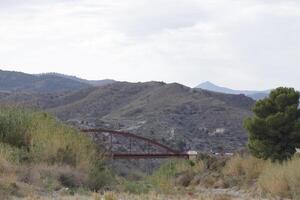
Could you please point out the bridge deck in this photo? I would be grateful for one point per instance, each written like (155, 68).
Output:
(148, 155)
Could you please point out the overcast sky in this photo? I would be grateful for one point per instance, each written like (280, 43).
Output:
(243, 44)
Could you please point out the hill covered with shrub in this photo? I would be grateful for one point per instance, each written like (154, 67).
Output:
(40, 154)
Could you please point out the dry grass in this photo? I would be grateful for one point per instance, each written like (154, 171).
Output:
(277, 179)
(247, 168)
(282, 179)
(110, 196)
(150, 196)
(22, 180)
(52, 177)
(54, 157)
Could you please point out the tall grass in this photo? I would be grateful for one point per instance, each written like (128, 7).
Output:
(46, 153)
(246, 168)
(54, 142)
(42, 138)
(277, 179)
(282, 179)
(10, 153)
(243, 171)
(163, 179)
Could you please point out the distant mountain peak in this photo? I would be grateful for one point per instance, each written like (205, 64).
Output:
(207, 85)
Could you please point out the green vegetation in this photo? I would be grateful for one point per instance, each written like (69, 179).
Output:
(274, 131)
(37, 151)
(163, 179)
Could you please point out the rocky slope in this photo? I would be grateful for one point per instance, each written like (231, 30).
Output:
(176, 115)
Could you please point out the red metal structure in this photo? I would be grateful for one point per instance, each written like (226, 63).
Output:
(154, 148)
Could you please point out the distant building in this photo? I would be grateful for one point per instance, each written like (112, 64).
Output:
(192, 155)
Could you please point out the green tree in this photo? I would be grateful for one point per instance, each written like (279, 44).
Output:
(274, 131)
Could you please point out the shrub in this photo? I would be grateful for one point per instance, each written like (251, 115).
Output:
(11, 154)
(99, 176)
(180, 172)
(15, 127)
(135, 187)
(211, 162)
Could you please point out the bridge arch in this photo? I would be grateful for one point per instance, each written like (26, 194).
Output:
(168, 152)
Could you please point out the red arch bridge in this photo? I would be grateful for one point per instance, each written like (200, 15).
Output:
(131, 146)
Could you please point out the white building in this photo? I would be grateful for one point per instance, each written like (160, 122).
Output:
(192, 155)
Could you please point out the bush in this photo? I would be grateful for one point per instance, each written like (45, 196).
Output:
(174, 172)
(210, 162)
(11, 154)
(135, 187)
(100, 177)
(15, 127)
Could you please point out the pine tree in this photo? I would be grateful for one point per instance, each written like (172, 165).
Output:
(274, 131)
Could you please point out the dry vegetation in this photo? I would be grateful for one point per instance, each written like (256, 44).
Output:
(238, 177)
(150, 196)
(38, 154)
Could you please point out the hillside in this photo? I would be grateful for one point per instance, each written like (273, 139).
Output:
(90, 82)
(11, 81)
(18, 81)
(180, 116)
(172, 113)
(256, 95)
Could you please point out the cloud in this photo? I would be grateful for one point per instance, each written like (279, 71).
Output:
(251, 44)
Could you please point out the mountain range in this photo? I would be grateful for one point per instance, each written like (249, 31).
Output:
(176, 115)
(11, 81)
(256, 95)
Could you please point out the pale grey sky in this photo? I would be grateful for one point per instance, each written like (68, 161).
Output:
(243, 44)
